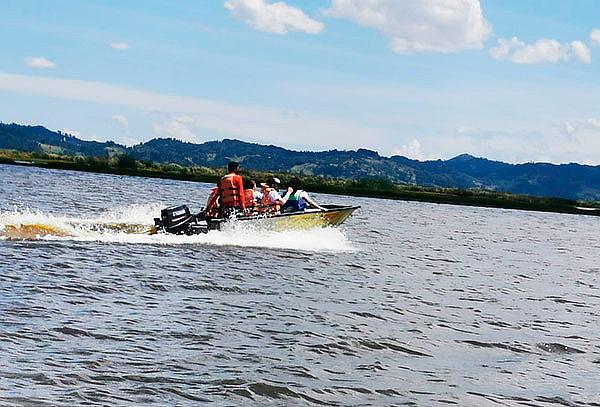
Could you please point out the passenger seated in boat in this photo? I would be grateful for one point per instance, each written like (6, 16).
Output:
(252, 197)
(272, 201)
(256, 194)
(298, 200)
(212, 205)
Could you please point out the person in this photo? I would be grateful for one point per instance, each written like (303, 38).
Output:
(298, 199)
(250, 196)
(258, 195)
(212, 205)
(272, 200)
(231, 191)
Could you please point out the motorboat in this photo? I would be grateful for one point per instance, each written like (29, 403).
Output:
(180, 220)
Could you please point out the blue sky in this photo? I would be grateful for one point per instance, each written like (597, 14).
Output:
(509, 80)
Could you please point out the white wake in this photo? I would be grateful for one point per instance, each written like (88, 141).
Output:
(133, 225)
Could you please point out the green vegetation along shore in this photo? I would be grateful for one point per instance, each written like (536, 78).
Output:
(368, 187)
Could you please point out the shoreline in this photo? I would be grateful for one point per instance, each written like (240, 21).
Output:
(362, 188)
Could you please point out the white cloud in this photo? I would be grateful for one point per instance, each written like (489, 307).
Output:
(39, 62)
(542, 51)
(175, 129)
(410, 150)
(278, 18)
(72, 132)
(414, 151)
(419, 25)
(594, 122)
(505, 47)
(121, 46)
(595, 37)
(581, 52)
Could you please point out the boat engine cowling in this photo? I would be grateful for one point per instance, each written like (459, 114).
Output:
(175, 219)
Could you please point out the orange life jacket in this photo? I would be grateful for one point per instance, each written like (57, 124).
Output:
(212, 205)
(249, 197)
(230, 193)
(267, 204)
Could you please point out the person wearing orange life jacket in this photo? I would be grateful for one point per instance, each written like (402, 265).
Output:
(212, 205)
(250, 196)
(265, 202)
(272, 200)
(231, 191)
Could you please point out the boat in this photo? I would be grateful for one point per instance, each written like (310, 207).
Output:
(180, 221)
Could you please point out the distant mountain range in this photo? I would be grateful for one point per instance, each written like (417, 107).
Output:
(573, 181)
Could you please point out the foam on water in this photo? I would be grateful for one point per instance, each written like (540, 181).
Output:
(133, 224)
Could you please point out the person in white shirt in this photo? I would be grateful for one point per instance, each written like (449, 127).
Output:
(272, 199)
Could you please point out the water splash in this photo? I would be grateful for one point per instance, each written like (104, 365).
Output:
(133, 225)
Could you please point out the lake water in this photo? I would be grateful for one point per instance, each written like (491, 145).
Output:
(405, 304)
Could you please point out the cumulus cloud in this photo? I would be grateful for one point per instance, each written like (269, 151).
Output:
(121, 46)
(419, 25)
(581, 52)
(544, 50)
(175, 129)
(595, 37)
(411, 150)
(39, 62)
(278, 18)
(414, 151)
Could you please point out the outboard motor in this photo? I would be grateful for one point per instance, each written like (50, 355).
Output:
(175, 219)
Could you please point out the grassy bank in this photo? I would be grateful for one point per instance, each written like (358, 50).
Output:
(376, 188)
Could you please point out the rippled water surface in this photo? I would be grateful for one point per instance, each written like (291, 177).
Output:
(405, 304)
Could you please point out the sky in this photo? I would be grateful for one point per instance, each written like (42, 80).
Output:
(510, 80)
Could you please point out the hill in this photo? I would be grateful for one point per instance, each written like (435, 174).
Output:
(573, 181)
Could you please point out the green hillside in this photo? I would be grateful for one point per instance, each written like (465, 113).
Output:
(573, 181)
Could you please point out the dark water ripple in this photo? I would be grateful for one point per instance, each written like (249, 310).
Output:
(439, 305)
